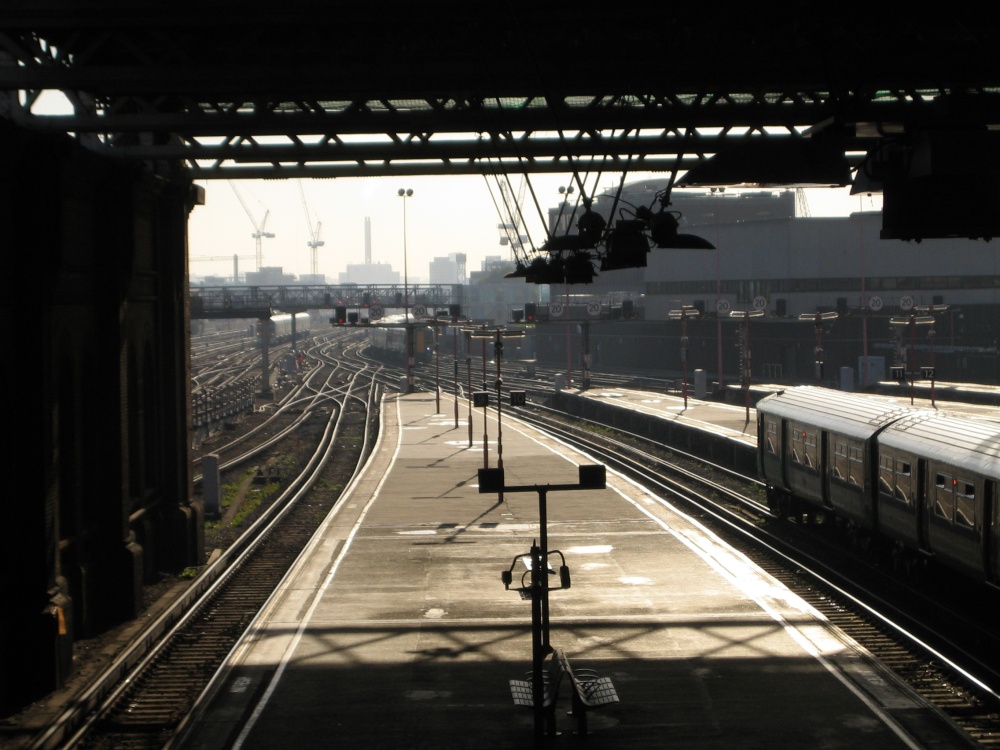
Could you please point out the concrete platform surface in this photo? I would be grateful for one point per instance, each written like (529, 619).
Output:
(394, 630)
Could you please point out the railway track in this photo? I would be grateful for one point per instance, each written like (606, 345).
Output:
(140, 698)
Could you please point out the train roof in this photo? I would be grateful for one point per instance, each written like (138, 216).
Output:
(848, 414)
(961, 441)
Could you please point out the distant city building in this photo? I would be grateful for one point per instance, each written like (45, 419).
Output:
(370, 273)
(450, 270)
(312, 278)
(269, 276)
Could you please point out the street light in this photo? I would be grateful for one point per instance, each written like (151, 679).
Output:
(405, 193)
(817, 319)
(683, 315)
(745, 316)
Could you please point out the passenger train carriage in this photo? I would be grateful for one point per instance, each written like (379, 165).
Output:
(922, 481)
(280, 326)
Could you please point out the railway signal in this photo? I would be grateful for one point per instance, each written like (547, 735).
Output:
(339, 315)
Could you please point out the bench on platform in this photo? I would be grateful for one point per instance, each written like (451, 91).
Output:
(522, 691)
(590, 692)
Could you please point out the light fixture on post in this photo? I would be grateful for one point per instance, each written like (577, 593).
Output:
(745, 316)
(912, 321)
(817, 319)
(683, 315)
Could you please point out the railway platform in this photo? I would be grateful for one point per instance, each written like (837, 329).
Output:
(394, 629)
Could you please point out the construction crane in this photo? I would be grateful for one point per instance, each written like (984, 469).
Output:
(510, 230)
(259, 232)
(314, 240)
(235, 258)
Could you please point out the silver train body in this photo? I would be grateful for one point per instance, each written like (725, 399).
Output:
(387, 339)
(281, 327)
(924, 482)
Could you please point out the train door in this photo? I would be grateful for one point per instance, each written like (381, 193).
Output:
(991, 532)
(922, 506)
(825, 463)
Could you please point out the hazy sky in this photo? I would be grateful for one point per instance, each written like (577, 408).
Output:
(444, 215)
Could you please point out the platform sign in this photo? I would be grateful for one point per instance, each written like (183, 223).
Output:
(875, 303)
(518, 398)
(481, 398)
(556, 309)
(594, 308)
(375, 312)
(722, 307)
(420, 311)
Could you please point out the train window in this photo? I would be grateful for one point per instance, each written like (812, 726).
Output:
(856, 466)
(811, 457)
(904, 482)
(965, 503)
(944, 497)
(798, 445)
(885, 475)
(841, 470)
(772, 436)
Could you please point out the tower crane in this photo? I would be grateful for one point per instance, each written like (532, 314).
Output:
(510, 230)
(314, 240)
(259, 231)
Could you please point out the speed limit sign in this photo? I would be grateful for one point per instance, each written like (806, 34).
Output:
(594, 308)
(760, 302)
(420, 311)
(906, 302)
(375, 312)
(875, 303)
(722, 306)
(556, 309)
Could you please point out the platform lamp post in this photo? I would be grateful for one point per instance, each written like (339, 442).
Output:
(468, 371)
(912, 321)
(406, 193)
(745, 315)
(454, 355)
(684, 314)
(817, 319)
(591, 477)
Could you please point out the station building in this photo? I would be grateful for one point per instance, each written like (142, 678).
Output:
(823, 294)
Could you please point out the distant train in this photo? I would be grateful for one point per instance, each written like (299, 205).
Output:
(387, 341)
(924, 483)
(281, 327)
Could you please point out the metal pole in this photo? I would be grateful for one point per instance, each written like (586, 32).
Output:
(746, 364)
(437, 372)
(538, 651)
(498, 355)
(543, 522)
(454, 354)
(684, 357)
(468, 367)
